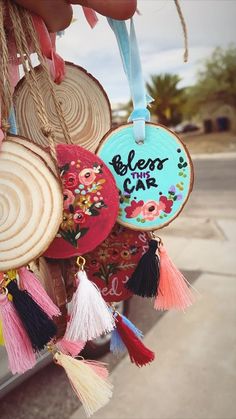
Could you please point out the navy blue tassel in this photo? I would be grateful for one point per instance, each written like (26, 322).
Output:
(145, 279)
(39, 327)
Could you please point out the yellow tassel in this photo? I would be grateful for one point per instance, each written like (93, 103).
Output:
(1, 335)
(88, 380)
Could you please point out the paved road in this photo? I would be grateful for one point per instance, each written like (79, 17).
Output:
(47, 394)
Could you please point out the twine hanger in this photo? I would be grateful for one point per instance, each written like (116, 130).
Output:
(184, 27)
(23, 29)
(5, 85)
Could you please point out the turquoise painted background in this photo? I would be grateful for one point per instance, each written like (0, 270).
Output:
(153, 178)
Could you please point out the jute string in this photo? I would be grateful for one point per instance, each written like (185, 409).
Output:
(23, 32)
(26, 18)
(184, 27)
(5, 85)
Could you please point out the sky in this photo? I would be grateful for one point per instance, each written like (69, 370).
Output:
(210, 23)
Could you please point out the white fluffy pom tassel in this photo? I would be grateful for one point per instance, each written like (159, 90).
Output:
(89, 382)
(90, 315)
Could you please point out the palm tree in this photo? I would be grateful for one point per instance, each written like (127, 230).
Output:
(169, 98)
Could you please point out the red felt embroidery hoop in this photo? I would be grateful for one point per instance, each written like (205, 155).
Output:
(111, 264)
(90, 202)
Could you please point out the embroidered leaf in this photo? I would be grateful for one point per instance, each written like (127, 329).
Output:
(65, 168)
(69, 236)
(101, 181)
(83, 231)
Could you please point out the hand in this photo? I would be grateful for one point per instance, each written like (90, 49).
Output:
(57, 14)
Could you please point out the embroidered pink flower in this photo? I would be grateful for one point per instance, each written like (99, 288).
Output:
(166, 204)
(68, 198)
(134, 209)
(87, 176)
(70, 180)
(150, 210)
(79, 217)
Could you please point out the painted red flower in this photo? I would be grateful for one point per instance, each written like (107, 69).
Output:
(79, 217)
(70, 180)
(134, 209)
(166, 204)
(68, 198)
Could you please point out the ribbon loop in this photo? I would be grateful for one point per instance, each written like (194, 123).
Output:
(129, 52)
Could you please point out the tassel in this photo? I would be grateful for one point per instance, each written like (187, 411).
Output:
(19, 349)
(38, 325)
(1, 335)
(31, 284)
(70, 348)
(139, 354)
(143, 281)
(88, 380)
(90, 315)
(117, 345)
(173, 290)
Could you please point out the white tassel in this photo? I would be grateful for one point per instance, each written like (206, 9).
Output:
(90, 315)
(89, 381)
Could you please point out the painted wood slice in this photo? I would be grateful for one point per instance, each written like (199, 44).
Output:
(90, 202)
(84, 103)
(30, 206)
(154, 178)
(40, 151)
(112, 263)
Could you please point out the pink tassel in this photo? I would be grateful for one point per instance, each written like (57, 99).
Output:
(98, 367)
(31, 284)
(19, 349)
(68, 347)
(173, 290)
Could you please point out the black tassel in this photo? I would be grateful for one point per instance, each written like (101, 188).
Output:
(145, 279)
(39, 327)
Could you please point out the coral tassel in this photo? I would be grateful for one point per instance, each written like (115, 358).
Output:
(31, 284)
(90, 316)
(89, 381)
(173, 290)
(19, 349)
(138, 352)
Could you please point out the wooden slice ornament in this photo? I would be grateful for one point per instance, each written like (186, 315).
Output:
(30, 206)
(90, 202)
(84, 104)
(154, 178)
(40, 151)
(112, 263)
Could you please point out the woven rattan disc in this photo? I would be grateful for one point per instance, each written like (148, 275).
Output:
(40, 151)
(30, 206)
(84, 103)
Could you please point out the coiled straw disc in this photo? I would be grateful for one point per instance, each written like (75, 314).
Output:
(84, 103)
(30, 205)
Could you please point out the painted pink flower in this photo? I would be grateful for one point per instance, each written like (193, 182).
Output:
(166, 204)
(70, 180)
(134, 209)
(68, 197)
(87, 176)
(150, 210)
(79, 217)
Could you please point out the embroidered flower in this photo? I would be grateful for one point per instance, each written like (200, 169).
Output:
(83, 202)
(87, 176)
(67, 221)
(68, 197)
(79, 217)
(150, 210)
(134, 209)
(103, 254)
(125, 254)
(70, 180)
(166, 204)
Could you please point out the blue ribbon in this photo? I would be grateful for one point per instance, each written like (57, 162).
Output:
(12, 122)
(129, 52)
